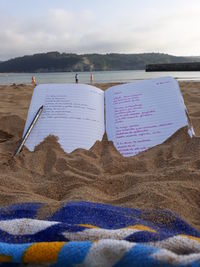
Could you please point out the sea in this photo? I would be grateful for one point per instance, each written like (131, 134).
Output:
(99, 76)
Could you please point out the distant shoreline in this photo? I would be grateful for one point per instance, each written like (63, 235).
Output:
(102, 85)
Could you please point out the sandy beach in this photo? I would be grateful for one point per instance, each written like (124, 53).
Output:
(164, 177)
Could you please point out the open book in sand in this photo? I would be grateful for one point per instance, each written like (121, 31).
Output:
(136, 116)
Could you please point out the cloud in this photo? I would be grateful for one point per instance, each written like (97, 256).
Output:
(58, 30)
(81, 32)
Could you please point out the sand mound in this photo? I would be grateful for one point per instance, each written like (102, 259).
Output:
(164, 177)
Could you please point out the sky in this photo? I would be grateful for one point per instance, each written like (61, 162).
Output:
(99, 26)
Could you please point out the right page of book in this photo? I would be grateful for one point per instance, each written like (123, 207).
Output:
(143, 114)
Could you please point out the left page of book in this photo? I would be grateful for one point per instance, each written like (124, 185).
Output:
(72, 112)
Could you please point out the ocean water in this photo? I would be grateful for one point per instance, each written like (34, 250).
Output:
(99, 76)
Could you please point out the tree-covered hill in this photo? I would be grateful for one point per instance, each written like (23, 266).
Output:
(57, 62)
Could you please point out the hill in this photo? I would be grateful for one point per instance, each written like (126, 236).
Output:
(59, 62)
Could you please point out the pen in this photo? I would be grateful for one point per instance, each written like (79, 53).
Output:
(23, 140)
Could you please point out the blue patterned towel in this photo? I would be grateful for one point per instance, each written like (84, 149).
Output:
(91, 234)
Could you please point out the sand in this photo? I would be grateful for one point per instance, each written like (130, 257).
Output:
(164, 177)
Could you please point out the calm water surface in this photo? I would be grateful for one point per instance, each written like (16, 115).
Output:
(99, 76)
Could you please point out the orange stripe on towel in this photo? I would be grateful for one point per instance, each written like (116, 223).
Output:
(88, 226)
(192, 237)
(5, 258)
(44, 252)
(141, 228)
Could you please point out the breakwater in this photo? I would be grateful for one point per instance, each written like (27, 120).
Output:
(193, 66)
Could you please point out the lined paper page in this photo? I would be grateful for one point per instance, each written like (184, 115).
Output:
(72, 112)
(143, 114)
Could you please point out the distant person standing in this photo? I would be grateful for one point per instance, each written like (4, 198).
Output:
(33, 81)
(76, 78)
(91, 78)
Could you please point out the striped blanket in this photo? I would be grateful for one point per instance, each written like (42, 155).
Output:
(91, 234)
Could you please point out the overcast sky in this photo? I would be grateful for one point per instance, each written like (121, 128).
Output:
(99, 26)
